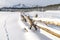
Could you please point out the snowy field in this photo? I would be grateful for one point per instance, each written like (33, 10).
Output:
(12, 28)
(48, 15)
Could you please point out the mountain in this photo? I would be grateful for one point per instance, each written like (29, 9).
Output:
(21, 6)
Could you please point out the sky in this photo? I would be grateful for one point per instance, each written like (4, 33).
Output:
(28, 2)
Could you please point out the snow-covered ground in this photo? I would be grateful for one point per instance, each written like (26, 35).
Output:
(9, 28)
(46, 16)
(12, 28)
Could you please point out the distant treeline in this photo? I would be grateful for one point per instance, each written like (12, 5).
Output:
(37, 8)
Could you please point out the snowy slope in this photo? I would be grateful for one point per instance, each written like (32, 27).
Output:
(12, 28)
(47, 16)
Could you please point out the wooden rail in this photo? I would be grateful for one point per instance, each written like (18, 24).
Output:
(49, 22)
(45, 29)
(50, 31)
(28, 20)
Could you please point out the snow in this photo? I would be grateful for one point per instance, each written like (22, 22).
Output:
(10, 22)
(47, 16)
(12, 28)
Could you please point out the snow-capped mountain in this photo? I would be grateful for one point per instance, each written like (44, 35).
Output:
(23, 6)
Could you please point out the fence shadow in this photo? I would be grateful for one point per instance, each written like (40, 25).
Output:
(40, 35)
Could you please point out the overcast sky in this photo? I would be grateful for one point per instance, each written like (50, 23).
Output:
(28, 2)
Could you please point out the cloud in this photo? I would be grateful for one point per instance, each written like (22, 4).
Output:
(2, 3)
(28, 2)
